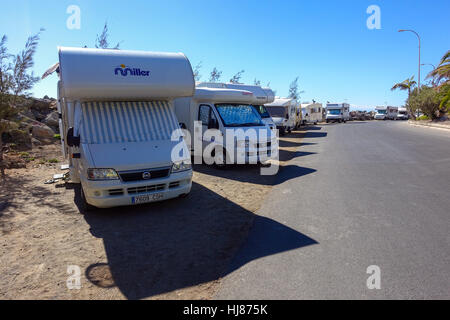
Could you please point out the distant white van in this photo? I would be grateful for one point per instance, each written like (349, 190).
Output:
(391, 113)
(118, 124)
(386, 113)
(228, 113)
(337, 112)
(402, 114)
(312, 112)
(380, 113)
(284, 114)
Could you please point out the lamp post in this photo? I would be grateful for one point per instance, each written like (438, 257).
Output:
(418, 37)
(433, 66)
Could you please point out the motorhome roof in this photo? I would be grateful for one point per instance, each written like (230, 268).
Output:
(220, 95)
(98, 74)
(280, 102)
(261, 95)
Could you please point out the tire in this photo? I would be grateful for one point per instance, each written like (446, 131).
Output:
(328, 121)
(282, 131)
(85, 207)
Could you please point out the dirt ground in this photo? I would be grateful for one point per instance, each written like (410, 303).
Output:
(178, 249)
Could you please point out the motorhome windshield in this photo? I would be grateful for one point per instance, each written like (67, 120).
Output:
(277, 111)
(239, 115)
(334, 111)
(262, 111)
(381, 111)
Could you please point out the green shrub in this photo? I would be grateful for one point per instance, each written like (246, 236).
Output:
(426, 100)
(53, 161)
(424, 117)
(57, 136)
(24, 154)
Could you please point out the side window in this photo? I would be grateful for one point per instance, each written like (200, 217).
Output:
(203, 114)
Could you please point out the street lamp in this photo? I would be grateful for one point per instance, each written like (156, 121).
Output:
(433, 66)
(418, 37)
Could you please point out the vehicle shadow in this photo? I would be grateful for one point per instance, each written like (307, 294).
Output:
(161, 247)
(251, 173)
(316, 134)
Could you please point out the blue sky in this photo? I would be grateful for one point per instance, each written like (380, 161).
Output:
(326, 43)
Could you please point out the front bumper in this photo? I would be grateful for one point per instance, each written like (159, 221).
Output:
(115, 193)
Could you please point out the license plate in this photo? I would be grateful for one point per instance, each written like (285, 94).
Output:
(147, 198)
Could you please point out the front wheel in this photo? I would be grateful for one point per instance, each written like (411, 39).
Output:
(84, 205)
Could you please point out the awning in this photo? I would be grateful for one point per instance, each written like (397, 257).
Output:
(118, 122)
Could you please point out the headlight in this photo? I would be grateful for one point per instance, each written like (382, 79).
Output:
(181, 166)
(102, 174)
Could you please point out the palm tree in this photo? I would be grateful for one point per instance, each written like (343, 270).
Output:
(407, 84)
(442, 72)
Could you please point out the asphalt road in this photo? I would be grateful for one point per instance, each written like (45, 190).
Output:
(375, 193)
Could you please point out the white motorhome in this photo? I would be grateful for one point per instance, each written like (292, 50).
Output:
(261, 97)
(312, 112)
(226, 113)
(402, 114)
(284, 113)
(391, 113)
(380, 113)
(118, 124)
(337, 112)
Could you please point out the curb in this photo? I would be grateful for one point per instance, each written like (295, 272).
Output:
(430, 125)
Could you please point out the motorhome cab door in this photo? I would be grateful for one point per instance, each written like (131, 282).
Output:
(209, 120)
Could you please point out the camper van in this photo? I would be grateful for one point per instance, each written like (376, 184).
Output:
(312, 113)
(337, 112)
(380, 113)
(402, 114)
(118, 125)
(261, 97)
(228, 114)
(283, 112)
(391, 113)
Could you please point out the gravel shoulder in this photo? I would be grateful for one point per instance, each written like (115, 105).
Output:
(178, 249)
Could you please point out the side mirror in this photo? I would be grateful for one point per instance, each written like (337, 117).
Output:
(72, 141)
(213, 124)
(183, 125)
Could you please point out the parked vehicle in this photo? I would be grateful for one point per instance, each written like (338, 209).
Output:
(228, 111)
(312, 113)
(337, 112)
(386, 113)
(391, 113)
(380, 113)
(283, 112)
(116, 122)
(402, 114)
(262, 96)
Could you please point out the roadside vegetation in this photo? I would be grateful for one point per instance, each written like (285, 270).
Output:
(433, 99)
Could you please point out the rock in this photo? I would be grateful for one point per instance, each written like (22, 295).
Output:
(35, 142)
(42, 132)
(52, 120)
(21, 138)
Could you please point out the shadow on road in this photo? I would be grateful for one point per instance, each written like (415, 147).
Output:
(161, 247)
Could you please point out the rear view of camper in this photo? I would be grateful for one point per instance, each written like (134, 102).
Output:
(118, 126)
